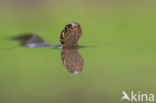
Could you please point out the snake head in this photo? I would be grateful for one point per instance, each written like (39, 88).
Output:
(71, 34)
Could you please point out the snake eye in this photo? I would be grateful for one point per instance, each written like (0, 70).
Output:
(79, 26)
(66, 27)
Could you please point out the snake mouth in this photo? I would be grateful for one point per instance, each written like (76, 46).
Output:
(75, 25)
(72, 26)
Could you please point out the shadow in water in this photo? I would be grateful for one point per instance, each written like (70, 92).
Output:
(70, 55)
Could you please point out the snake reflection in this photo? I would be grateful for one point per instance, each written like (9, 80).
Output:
(69, 37)
(72, 59)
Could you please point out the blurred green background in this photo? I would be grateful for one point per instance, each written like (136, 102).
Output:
(125, 59)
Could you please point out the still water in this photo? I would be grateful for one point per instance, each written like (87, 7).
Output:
(123, 60)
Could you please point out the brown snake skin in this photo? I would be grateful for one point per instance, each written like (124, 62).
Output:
(71, 34)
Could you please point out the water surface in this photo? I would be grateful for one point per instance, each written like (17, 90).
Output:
(124, 59)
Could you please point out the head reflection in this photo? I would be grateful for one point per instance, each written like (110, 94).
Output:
(72, 59)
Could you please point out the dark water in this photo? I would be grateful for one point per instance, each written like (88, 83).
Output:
(124, 59)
